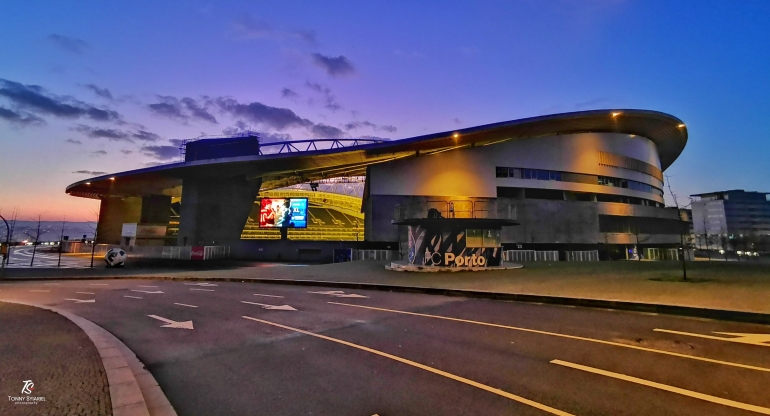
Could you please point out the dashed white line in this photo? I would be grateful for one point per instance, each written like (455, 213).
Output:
(132, 297)
(145, 286)
(98, 284)
(41, 291)
(52, 284)
(206, 290)
(86, 293)
(184, 304)
(270, 296)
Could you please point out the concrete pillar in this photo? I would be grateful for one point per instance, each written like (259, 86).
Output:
(214, 211)
(113, 212)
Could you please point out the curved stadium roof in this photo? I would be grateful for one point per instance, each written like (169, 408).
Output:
(283, 169)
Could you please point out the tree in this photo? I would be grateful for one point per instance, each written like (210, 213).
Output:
(61, 240)
(35, 233)
(95, 213)
(682, 228)
(11, 229)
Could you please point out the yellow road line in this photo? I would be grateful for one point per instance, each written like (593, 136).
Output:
(556, 334)
(666, 387)
(423, 367)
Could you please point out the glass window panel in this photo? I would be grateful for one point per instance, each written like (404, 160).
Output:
(491, 238)
(473, 238)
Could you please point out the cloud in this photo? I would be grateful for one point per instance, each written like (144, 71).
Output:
(112, 135)
(375, 138)
(162, 152)
(177, 142)
(145, 136)
(288, 93)
(456, 120)
(20, 118)
(101, 92)
(69, 44)
(246, 27)
(98, 153)
(592, 103)
(34, 97)
(330, 101)
(91, 172)
(73, 141)
(182, 109)
(274, 137)
(326, 131)
(334, 67)
(126, 151)
(359, 124)
(256, 112)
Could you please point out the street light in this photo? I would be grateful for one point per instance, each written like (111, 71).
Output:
(6, 246)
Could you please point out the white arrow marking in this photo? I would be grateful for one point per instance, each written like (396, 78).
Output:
(270, 296)
(173, 324)
(86, 293)
(205, 290)
(133, 297)
(340, 294)
(752, 339)
(200, 284)
(145, 286)
(40, 291)
(82, 301)
(146, 291)
(184, 304)
(272, 307)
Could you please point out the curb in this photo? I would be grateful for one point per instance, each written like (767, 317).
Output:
(133, 390)
(688, 311)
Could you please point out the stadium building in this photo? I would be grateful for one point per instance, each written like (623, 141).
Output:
(590, 180)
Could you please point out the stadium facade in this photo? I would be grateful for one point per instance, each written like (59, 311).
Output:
(590, 180)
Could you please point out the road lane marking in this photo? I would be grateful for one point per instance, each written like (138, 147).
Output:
(52, 284)
(271, 307)
(339, 294)
(98, 284)
(201, 284)
(82, 300)
(424, 367)
(666, 387)
(133, 297)
(40, 291)
(270, 296)
(145, 286)
(86, 293)
(743, 338)
(152, 292)
(173, 324)
(204, 290)
(556, 334)
(184, 304)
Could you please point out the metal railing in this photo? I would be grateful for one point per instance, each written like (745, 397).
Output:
(591, 255)
(530, 255)
(375, 255)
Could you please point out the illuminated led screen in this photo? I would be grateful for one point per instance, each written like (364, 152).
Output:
(283, 213)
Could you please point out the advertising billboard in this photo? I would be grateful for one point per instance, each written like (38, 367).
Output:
(283, 213)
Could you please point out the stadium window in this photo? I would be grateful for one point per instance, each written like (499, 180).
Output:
(502, 172)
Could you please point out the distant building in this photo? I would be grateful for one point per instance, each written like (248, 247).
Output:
(733, 220)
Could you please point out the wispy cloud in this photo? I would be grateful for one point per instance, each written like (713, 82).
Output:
(113, 135)
(246, 26)
(182, 110)
(73, 141)
(161, 152)
(36, 98)
(330, 101)
(91, 172)
(69, 44)
(100, 92)
(20, 118)
(334, 66)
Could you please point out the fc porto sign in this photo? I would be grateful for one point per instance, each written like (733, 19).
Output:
(445, 246)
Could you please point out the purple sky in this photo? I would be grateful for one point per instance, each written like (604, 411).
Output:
(99, 87)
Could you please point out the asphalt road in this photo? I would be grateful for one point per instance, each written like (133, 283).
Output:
(264, 349)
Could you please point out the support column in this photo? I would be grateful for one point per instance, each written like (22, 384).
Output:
(113, 212)
(214, 211)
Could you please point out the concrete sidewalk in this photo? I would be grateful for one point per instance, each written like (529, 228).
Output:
(54, 354)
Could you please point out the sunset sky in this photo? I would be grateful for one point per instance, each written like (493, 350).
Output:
(93, 87)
